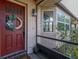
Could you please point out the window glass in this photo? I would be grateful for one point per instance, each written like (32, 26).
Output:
(61, 17)
(63, 24)
(51, 26)
(48, 21)
(67, 19)
(67, 27)
(60, 26)
(63, 21)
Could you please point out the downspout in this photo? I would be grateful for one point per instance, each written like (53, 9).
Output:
(36, 49)
(37, 19)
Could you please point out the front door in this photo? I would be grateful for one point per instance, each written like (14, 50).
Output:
(12, 26)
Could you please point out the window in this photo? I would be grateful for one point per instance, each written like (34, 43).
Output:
(63, 24)
(63, 21)
(48, 21)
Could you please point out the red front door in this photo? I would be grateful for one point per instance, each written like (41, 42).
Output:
(11, 40)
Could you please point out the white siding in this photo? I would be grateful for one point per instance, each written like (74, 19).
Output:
(46, 42)
(72, 5)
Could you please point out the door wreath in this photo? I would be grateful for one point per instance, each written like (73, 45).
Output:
(9, 22)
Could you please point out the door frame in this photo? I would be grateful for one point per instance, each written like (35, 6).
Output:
(26, 21)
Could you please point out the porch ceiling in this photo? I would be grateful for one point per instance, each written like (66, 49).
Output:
(48, 3)
(45, 3)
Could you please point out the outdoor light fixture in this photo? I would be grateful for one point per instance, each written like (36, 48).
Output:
(34, 12)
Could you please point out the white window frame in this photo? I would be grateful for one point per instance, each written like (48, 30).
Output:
(61, 21)
(53, 10)
(57, 21)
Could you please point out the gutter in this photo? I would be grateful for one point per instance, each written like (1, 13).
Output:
(36, 49)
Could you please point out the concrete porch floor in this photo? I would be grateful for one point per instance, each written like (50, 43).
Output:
(31, 56)
(20, 57)
(38, 56)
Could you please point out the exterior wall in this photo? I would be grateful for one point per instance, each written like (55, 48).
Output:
(31, 25)
(40, 24)
(48, 43)
(72, 5)
(31, 28)
(32, 21)
(55, 34)
(60, 10)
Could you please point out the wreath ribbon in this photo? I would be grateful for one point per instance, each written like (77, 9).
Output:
(21, 23)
